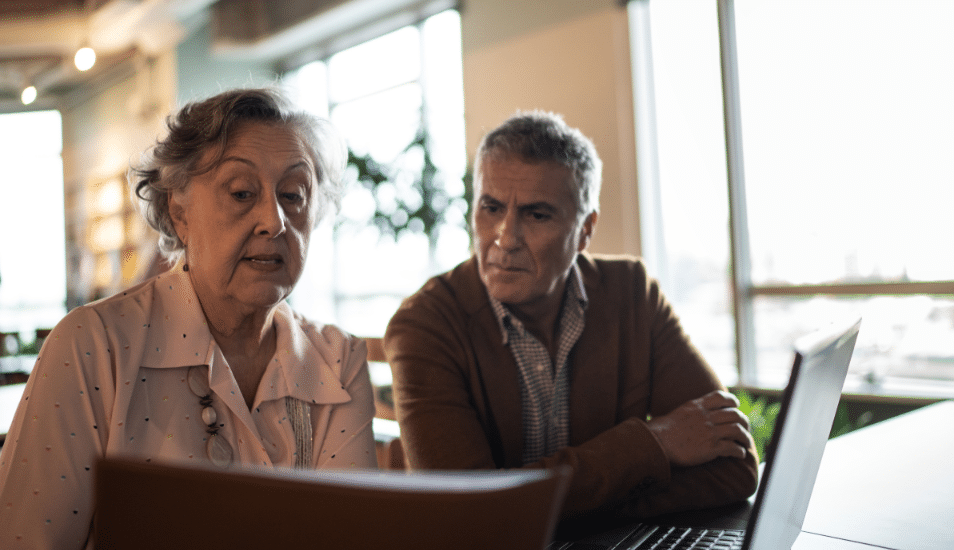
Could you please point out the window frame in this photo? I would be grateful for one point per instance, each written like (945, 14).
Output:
(743, 290)
(338, 295)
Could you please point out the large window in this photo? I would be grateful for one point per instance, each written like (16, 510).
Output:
(32, 254)
(380, 95)
(798, 167)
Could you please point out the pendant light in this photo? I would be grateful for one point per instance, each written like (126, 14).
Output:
(85, 58)
(28, 95)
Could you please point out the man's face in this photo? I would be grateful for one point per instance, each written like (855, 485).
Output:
(527, 230)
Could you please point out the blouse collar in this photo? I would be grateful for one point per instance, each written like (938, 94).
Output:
(178, 336)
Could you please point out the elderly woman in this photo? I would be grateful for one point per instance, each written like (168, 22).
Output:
(205, 363)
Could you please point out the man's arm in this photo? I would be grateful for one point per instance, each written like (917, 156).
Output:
(697, 423)
(444, 424)
(703, 429)
(712, 456)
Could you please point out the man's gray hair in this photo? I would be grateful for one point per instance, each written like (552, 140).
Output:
(207, 125)
(537, 136)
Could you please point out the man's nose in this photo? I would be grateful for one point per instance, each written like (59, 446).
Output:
(509, 232)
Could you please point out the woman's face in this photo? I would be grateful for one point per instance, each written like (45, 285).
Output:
(246, 223)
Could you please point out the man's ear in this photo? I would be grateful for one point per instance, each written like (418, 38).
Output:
(589, 227)
(177, 213)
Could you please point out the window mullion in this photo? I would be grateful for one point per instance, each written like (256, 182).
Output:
(906, 288)
(738, 223)
(652, 238)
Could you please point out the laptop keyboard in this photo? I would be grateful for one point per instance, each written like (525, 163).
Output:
(650, 537)
(688, 538)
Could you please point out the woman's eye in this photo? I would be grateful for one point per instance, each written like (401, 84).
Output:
(242, 195)
(293, 197)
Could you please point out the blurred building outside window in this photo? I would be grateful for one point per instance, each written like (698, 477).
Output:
(809, 181)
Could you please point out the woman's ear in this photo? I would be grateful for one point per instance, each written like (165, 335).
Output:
(178, 214)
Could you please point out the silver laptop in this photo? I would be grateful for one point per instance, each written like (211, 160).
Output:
(792, 460)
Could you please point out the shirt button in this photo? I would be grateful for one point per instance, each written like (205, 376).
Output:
(540, 367)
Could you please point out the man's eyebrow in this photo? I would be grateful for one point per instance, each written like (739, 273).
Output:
(539, 205)
(487, 198)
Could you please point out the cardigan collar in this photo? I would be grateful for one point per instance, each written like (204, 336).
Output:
(508, 321)
(594, 376)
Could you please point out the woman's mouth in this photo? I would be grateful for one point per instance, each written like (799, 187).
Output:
(265, 263)
(261, 261)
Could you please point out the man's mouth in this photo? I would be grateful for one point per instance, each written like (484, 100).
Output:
(506, 262)
(506, 267)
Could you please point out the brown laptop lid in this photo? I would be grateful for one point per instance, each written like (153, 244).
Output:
(146, 506)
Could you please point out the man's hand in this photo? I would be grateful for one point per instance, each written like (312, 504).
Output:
(703, 429)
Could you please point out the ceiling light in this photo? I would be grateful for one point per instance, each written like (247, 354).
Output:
(28, 95)
(85, 58)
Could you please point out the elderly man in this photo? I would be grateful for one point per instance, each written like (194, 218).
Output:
(534, 353)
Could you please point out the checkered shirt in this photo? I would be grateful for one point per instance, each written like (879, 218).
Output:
(545, 391)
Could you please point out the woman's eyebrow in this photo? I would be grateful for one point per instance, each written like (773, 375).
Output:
(233, 158)
(301, 164)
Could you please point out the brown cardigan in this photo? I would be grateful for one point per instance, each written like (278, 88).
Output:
(458, 396)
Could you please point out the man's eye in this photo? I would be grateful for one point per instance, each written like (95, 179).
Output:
(242, 195)
(491, 208)
(540, 216)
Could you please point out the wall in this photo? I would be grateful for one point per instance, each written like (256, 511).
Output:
(202, 74)
(564, 56)
(107, 124)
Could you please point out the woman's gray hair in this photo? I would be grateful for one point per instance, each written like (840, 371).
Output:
(538, 136)
(208, 125)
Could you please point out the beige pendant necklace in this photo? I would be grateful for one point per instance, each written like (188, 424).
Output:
(218, 449)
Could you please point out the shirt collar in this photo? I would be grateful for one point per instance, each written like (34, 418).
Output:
(509, 322)
(304, 365)
(178, 334)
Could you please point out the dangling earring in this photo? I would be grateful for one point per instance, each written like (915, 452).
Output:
(185, 267)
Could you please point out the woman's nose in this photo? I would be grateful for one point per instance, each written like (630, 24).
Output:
(271, 217)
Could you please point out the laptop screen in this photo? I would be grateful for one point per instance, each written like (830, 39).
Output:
(801, 431)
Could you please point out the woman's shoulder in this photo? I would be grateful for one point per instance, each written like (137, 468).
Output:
(329, 339)
(125, 299)
(311, 326)
(103, 308)
(125, 316)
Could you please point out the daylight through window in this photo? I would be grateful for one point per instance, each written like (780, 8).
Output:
(381, 95)
(840, 121)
